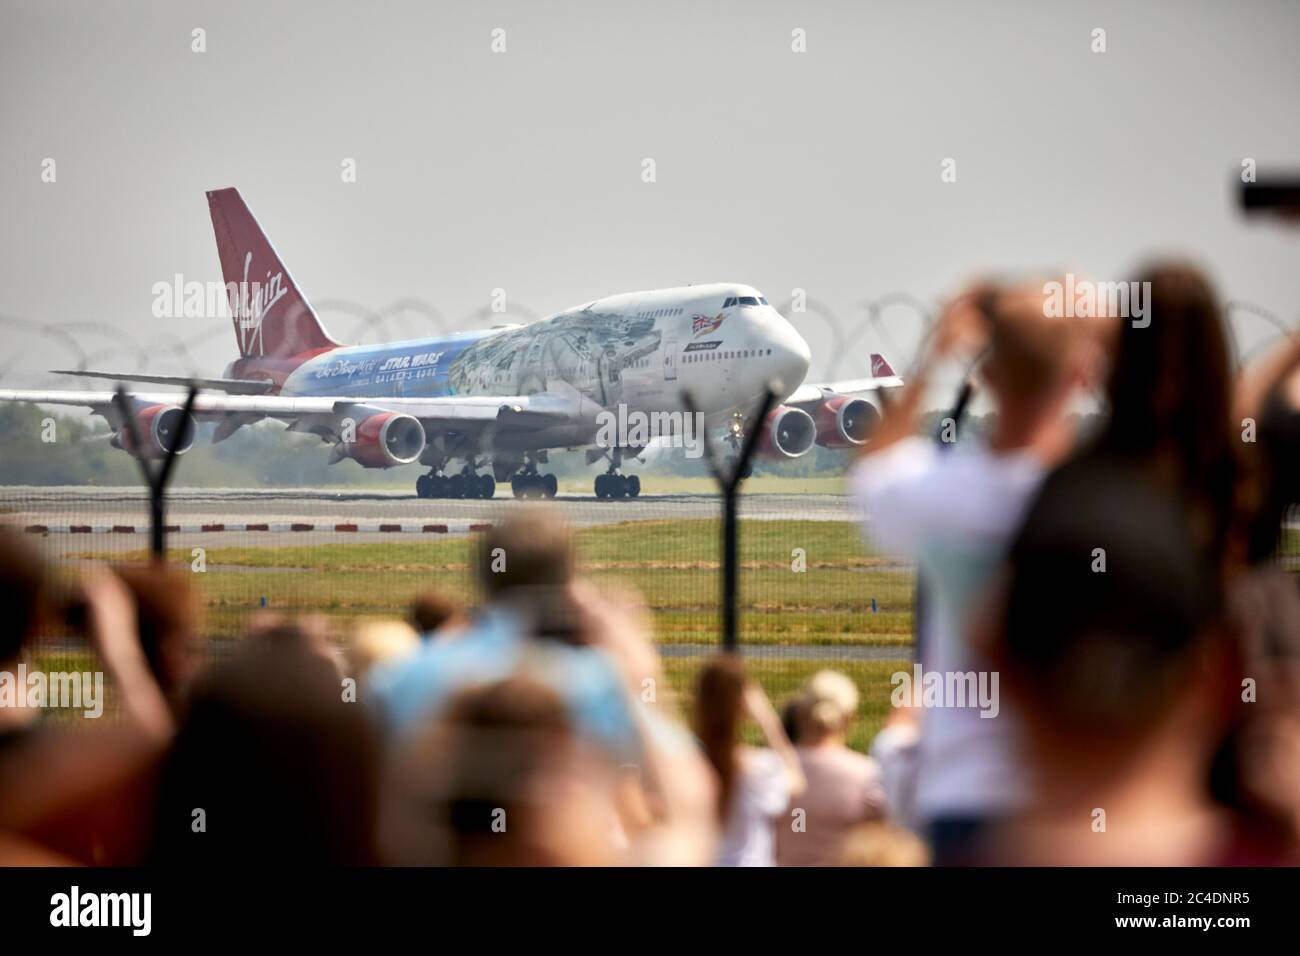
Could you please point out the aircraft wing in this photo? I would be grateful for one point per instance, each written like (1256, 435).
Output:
(882, 377)
(817, 391)
(538, 410)
(234, 386)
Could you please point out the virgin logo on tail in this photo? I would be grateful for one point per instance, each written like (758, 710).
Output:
(879, 367)
(251, 302)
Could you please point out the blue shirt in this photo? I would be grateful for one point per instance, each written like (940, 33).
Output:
(414, 689)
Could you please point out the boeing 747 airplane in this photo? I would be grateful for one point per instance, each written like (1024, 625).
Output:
(496, 399)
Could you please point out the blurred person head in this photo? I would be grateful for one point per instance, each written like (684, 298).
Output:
(432, 611)
(282, 767)
(378, 641)
(883, 844)
(501, 779)
(22, 592)
(828, 704)
(1170, 397)
(1112, 647)
(719, 712)
(1031, 361)
(169, 617)
(1108, 610)
(528, 563)
(533, 548)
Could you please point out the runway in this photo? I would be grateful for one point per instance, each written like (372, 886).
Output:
(212, 505)
(82, 518)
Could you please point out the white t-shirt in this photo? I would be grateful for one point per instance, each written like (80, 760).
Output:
(895, 751)
(954, 512)
(760, 794)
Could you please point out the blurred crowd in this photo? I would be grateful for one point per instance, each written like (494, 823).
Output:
(1118, 590)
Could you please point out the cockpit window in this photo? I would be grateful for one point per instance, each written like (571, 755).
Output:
(729, 303)
(747, 300)
(762, 299)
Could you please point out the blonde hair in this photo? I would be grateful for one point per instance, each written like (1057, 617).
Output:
(883, 844)
(379, 641)
(828, 702)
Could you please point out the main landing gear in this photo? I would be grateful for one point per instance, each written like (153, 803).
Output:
(529, 483)
(467, 484)
(612, 485)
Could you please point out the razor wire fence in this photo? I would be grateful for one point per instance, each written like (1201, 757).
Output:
(898, 321)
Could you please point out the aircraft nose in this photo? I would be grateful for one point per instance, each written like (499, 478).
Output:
(791, 357)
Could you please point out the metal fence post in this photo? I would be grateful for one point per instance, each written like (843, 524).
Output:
(730, 487)
(155, 482)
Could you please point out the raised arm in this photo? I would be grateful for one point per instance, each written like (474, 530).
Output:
(769, 724)
(960, 327)
(112, 629)
(1257, 382)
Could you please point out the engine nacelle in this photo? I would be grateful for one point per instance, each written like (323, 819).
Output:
(787, 433)
(161, 427)
(387, 440)
(844, 422)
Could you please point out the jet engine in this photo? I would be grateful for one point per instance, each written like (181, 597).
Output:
(161, 428)
(787, 433)
(844, 422)
(384, 441)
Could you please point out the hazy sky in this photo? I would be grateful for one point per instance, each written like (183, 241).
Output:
(523, 170)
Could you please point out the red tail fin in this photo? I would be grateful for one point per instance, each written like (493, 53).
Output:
(879, 367)
(272, 316)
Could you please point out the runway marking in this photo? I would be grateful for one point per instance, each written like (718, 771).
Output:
(348, 527)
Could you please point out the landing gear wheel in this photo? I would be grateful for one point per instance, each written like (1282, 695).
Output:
(423, 486)
(617, 486)
(534, 485)
(487, 486)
